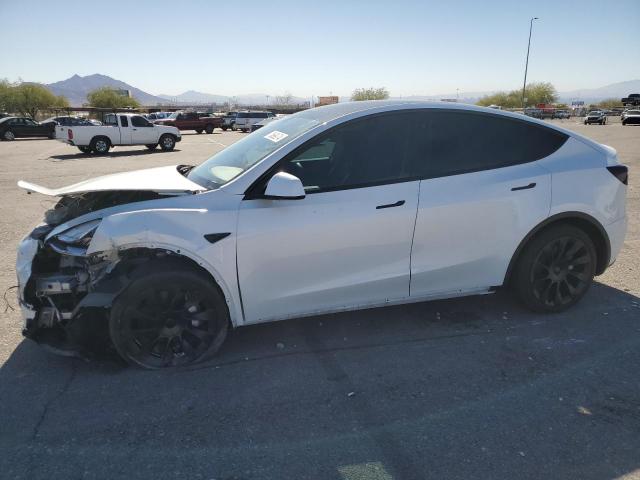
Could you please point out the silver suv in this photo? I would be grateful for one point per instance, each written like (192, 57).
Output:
(244, 120)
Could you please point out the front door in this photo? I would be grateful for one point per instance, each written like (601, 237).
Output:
(142, 131)
(347, 244)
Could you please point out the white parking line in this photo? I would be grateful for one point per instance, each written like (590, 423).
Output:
(217, 143)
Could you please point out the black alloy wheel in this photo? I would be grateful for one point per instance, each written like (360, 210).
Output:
(168, 318)
(556, 269)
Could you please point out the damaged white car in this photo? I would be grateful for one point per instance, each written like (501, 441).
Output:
(340, 207)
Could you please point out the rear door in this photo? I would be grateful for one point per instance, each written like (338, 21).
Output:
(347, 243)
(482, 192)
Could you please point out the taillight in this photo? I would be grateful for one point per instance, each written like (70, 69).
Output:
(620, 172)
(70, 134)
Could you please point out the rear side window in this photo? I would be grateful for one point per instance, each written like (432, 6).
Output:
(453, 142)
(124, 121)
(110, 120)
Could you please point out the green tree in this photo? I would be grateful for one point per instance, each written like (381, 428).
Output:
(370, 94)
(609, 103)
(8, 99)
(31, 98)
(108, 97)
(542, 92)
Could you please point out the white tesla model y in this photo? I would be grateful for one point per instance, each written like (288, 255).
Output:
(341, 207)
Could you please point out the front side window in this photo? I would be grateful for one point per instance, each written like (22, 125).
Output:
(360, 153)
(137, 121)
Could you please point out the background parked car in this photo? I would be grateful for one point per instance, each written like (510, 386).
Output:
(261, 124)
(67, 121)
(244, 120)
(157, 115)
(229, 120)
(19, 127)
(197, 121)
(595, 116)
(631, 117)
(561, 114)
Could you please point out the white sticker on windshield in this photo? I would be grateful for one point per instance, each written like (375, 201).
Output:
(276, 136)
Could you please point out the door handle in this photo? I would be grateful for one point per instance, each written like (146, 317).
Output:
(524, 187)
(391, 205)
(134, 129)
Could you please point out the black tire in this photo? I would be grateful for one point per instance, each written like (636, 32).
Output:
(198, 131)
(85, 149)
(152, 146)
(52, 135)
(100, 145)
(224, 129)
(555, 269)
(8, 135)
(170, 315)
(624, 123)
(208, 128)
(167, 142)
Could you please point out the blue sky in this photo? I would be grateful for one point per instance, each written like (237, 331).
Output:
(321, 47)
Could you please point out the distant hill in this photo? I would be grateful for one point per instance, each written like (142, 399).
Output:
(77, 87)
(614, 90)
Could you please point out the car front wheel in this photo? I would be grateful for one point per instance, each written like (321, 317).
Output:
(556, 269)
(169, 316)
(167, 142)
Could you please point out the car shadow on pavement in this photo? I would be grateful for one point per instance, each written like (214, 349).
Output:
(119, 153)
(473, 387)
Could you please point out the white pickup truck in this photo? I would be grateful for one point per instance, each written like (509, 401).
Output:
(119, 129)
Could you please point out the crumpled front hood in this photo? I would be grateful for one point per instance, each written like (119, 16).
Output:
(160, 179)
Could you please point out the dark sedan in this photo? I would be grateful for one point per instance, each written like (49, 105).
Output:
(67, 121)
(19, 127)
(597, 116)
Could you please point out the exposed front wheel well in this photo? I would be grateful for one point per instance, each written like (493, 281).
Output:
(584, 222)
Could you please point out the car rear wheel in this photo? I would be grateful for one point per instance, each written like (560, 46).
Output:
(8, 135)
(167, 142)
(169, 316)
(208, 129)
(85, 149)
(556, 269)
(100, 145)
(152, 146)
(198, 131)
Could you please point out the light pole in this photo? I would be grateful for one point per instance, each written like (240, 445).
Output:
(526, 65)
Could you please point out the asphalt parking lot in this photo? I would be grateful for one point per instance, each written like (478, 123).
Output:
(467, 388)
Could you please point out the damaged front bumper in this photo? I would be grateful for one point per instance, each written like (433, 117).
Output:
(55, 294)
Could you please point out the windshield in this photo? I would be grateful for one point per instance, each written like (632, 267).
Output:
(224, 166)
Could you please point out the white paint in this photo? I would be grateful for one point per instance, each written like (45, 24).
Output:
(334, 251)
(118, 135)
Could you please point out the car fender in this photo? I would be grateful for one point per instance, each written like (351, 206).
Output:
(180, 231)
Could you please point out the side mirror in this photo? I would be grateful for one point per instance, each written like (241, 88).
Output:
(284, 186)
